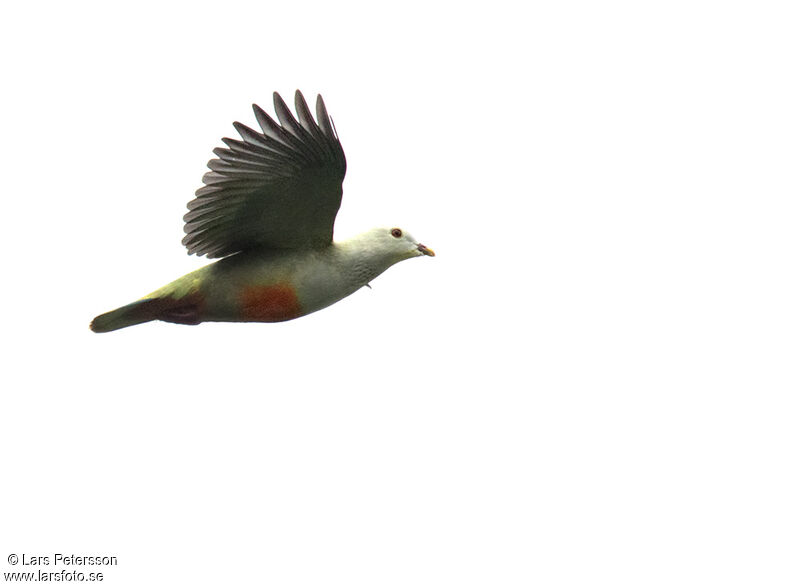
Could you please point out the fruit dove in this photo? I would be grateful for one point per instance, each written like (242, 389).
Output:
(267, 208)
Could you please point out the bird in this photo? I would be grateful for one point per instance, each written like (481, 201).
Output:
(266, 213)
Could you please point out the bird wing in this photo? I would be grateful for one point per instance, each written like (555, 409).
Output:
(280, 188)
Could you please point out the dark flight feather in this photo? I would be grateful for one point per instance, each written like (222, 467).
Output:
(279, 188)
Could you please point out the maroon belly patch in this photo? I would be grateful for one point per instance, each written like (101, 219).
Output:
(269, 303)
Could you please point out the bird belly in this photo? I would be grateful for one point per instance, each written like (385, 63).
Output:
(269, 303)
(272, 287)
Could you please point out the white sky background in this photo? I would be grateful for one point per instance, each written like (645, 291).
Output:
(593, 383)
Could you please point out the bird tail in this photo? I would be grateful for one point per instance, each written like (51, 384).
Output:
(185, 310)
(136, 313)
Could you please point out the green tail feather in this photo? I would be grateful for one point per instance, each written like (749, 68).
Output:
(185, 310)
(130, 315)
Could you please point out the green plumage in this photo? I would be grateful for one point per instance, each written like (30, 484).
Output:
(268, 207)
(128, 315)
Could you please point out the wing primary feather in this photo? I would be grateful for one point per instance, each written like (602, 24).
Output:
(318, 142)
(208, 202)
(324, 120)
(196, 210)
(214, 178)
(249, 149)
(241, 168)
(197, 218)
(209, 221)
(258, 139)
(218, 193)
(244, 158)
(270, 127)
(200, 238)
(340, 153)
(303, 114)
(285, 116)
(301, 140)
(209, 236)
(209, 205)
(206, 190)
(329, 139)
(306, 120)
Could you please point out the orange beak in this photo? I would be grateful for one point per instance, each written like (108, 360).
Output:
(425, 250)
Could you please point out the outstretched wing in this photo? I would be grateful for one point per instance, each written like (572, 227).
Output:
(277, 189)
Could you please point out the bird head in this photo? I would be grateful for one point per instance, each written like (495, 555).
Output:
(373, 252)
(397, 244)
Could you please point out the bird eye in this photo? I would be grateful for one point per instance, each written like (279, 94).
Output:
(397, 233)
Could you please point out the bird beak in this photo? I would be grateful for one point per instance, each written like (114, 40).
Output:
(425, 250)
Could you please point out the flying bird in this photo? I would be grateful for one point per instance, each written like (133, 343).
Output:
(267, 211)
